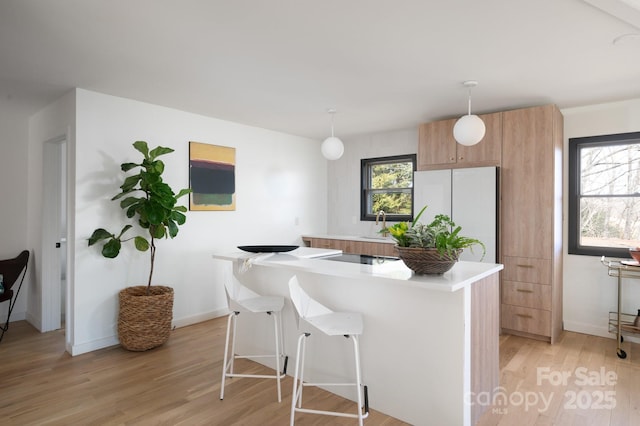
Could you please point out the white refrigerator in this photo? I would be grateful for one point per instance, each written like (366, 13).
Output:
(469, 197)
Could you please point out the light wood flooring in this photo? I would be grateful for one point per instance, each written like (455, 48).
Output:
(175, 384)
(179, 384)
(578, 381)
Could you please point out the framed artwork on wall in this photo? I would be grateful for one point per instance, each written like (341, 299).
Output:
(212, 177)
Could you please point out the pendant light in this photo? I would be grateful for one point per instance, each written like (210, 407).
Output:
(469, 129)
(332, 147)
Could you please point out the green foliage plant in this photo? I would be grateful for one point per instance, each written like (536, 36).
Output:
(442, 234)
(148, 200)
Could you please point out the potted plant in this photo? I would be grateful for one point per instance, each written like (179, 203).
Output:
(144, 318)
(432, 248)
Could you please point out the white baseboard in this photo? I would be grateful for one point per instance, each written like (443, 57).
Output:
(34, 321)
(93, 345)
(113, 340)
(183, 322)
(584, 328)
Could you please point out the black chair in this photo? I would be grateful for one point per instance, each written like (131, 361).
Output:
(12, 270)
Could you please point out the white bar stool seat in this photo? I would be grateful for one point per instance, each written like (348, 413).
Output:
(241, 299)
(347, 324)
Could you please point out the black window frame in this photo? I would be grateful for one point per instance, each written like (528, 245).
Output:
(573, 221)
(365, 167)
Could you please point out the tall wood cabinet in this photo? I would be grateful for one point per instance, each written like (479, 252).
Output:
(531, 222)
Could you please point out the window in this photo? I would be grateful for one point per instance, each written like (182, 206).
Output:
(387, 185)
(604, 194)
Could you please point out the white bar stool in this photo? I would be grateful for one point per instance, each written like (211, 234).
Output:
(242, 299)
(347, 324)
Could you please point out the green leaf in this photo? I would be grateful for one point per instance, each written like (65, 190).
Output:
(161, 150)
(180, 209)
(125, 167)
(141, 243)
(157, 231)
(130, 183)
(98, 235)
(111, 249)
(125, 229)
(129, 201)
(418, 217)
(154, 213)
(178, 217)
(173, 228)
(131, 211)
(142, 147)
(183, 192)
(158, 167)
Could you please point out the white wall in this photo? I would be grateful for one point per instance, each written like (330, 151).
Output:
(589, 293)
(13, 193)
(344, 178)
(281, 187)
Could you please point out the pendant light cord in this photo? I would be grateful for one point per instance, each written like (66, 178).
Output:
(332, 113)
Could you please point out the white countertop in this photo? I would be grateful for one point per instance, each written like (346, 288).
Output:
(309, 260)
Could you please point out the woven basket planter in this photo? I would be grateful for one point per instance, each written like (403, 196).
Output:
(427, 260)
(144, 321)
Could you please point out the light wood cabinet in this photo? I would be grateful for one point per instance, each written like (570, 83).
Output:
(437, 149)
(352, 246)
(531, 222)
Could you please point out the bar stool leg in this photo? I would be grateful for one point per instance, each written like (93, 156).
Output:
(233, 342)
(276, 318)
(356, 352)
(303, 357)
(296, 394)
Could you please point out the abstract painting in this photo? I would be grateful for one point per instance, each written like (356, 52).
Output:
(212, 177)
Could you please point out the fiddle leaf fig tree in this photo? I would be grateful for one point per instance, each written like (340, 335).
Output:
(147, 199)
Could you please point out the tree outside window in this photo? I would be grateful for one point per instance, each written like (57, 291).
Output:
(604, 194)
(387, 185)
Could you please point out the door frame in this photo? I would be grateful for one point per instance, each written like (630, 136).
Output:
(54, 210)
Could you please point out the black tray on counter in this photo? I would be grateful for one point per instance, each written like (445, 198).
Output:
(267, 249)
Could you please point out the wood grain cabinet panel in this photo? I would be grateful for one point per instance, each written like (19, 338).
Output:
(531, 221)
(526, 320)
(525, 269)
(527, 295)
(352, 246)
(437, 149)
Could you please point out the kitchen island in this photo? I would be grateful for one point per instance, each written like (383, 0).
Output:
(430, 344)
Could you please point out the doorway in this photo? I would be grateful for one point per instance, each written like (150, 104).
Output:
(54, 234)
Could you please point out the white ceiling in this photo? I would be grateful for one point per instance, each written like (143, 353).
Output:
(279, 64)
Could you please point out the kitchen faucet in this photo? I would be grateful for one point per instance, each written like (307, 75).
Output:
(384, 222)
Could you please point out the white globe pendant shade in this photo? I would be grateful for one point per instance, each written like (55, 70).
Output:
(469, 130)
(332, 148)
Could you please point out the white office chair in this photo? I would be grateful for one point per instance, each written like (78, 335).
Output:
(242, 299)
(311, 313)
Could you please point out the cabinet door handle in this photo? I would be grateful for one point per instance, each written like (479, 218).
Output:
(461, 158)
(524, 316)
(521, 265)
(524, 291)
